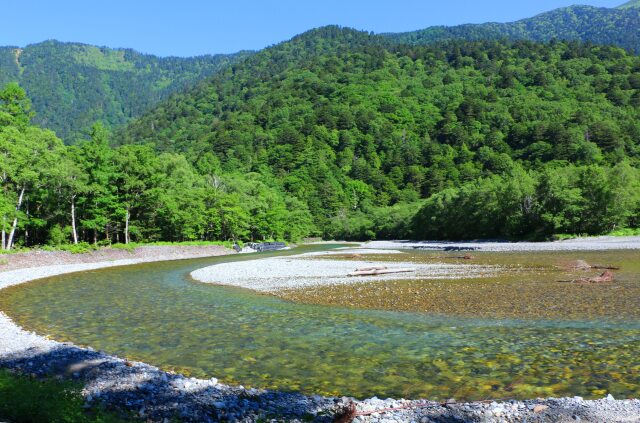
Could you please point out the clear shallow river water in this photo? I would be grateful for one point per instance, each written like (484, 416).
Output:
(155, 313)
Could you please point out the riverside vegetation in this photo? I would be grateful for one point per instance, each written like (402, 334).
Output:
(344, 134)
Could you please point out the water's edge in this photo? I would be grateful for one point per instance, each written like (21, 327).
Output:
(129, 386)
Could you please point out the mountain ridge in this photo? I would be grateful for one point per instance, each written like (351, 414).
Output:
(72, 85)
(630, 4)
(611, 26)
(118, 85)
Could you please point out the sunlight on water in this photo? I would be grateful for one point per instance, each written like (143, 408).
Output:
(154, 313)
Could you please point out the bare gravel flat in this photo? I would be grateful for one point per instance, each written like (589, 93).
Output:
(304, 270)
(575, 244)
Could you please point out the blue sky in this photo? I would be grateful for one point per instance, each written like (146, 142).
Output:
(192, 27)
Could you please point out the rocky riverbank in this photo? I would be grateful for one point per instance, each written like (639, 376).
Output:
(158, 396)
(143, 254)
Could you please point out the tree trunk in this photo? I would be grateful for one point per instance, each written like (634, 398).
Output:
(15, 220)
(126, 227)
(26, 228)
(95, 237)
(4, 233)
(74, 232)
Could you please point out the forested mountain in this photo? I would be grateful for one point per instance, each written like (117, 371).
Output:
(360, 129)
(630, 5)
(619, 26)
(348, 135)
(73, 85)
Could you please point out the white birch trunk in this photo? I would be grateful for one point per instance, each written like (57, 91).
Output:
(126, 227)
(73, 220)
(15, 221)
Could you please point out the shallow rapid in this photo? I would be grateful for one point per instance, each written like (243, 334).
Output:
(157, 314)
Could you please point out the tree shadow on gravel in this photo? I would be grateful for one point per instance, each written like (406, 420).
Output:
(157, 396)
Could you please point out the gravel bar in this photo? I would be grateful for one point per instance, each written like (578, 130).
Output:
(575, 244)
(157, 396)
(302, 271)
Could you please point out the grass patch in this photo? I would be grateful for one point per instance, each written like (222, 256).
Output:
(23, 399)
(625, 232)
(80, 248)
(562, 237)
(133, 245)
(15, 250)
(617, 232)
(85, 247)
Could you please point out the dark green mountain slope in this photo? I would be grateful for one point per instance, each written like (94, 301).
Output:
(630, 5)
(360, 129)
(73, 85)
(620, 27)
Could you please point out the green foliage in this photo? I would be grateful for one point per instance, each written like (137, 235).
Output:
(625, 232)
(617, 26)
(630, 5)
(79, 248)
(57, 236)
(73, 85)
(351, 124)
(557, 201)
(23, 399)
(133, 245)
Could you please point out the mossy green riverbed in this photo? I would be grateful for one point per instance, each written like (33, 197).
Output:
(155, 313)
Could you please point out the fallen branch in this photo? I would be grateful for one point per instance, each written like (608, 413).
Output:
(368, 269)
(605, 277)
(379, 272)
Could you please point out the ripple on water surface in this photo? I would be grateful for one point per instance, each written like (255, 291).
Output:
(156, 314)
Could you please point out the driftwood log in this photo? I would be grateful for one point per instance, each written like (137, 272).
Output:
(605, 277)
(379, 272)
(368, 269)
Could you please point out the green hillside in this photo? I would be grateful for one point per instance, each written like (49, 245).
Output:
(73, 85)
(633, 4)
(620, 27)
(360, 129)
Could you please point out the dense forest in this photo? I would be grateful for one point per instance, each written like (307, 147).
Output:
(361, 129)
(73, 85)
(603, 26)
(348, 135)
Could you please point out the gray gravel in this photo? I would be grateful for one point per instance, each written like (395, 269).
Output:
(300, 271)
(576, 244)
(158, 396)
